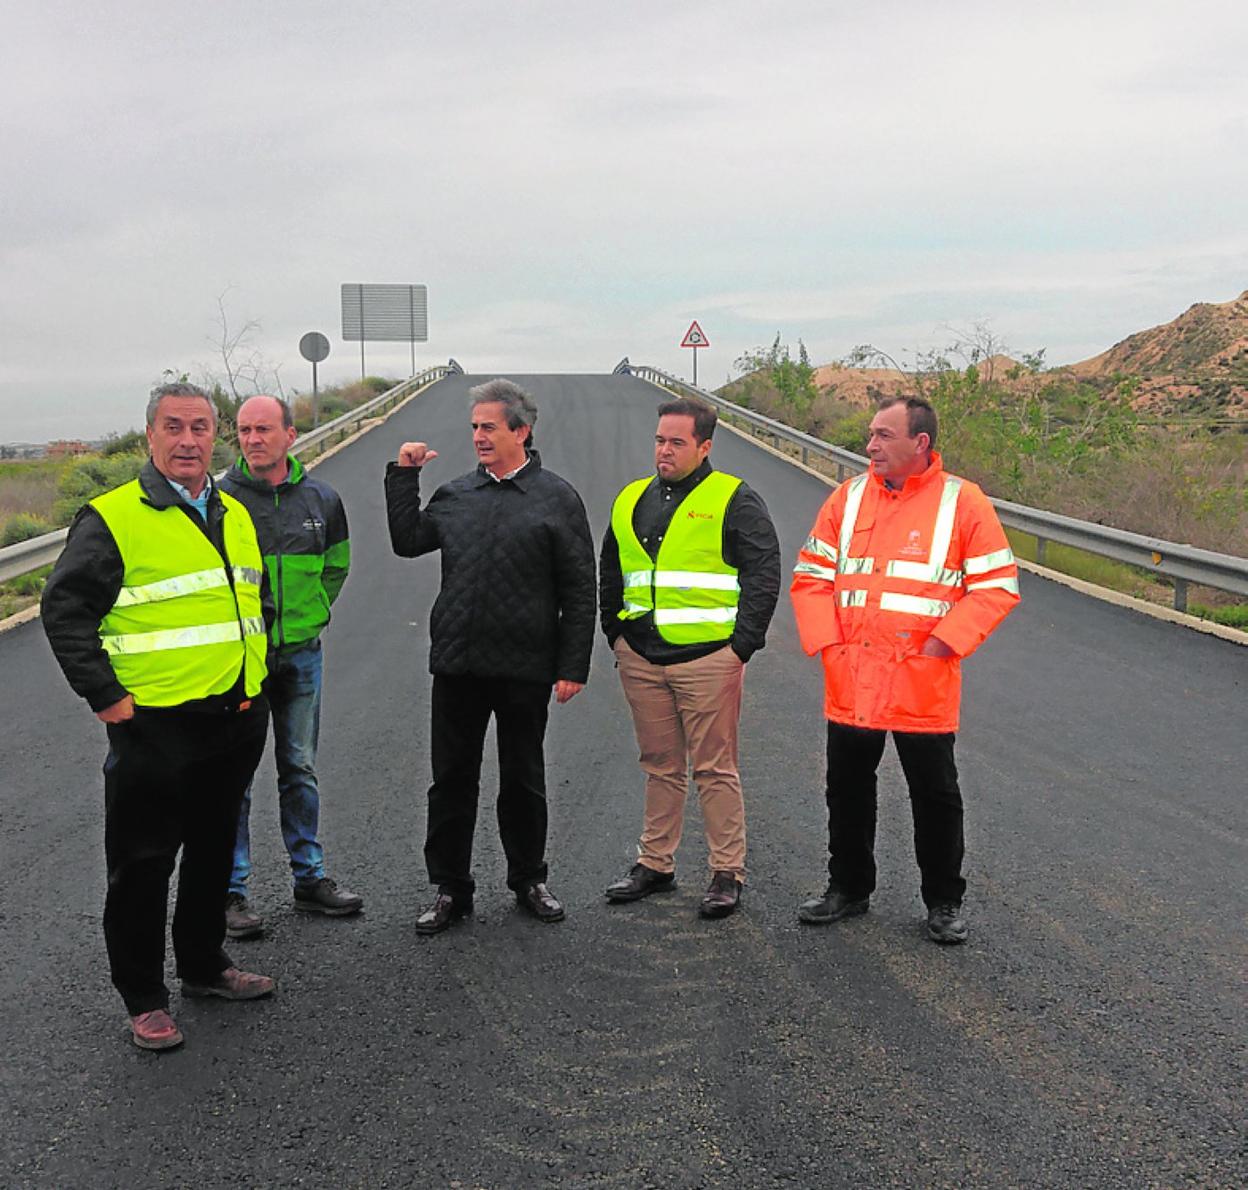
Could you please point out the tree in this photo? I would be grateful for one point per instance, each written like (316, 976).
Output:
(793, 380)
(246, 370)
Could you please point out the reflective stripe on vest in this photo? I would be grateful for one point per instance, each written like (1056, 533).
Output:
(690, 590)
(935, 571)
(184, 624)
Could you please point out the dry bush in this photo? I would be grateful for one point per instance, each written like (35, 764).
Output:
(28, 488)
(1191, 489)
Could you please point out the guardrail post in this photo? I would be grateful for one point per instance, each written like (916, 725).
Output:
(1040, 548)
(1180, 594)
(805, 456)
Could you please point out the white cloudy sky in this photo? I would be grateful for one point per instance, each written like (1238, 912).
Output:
(576, 181)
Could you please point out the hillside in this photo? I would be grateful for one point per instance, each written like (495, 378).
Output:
(1196, 365)
(1206, 340)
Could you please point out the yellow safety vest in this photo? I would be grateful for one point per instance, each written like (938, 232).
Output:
(183, 624)
(690, 589)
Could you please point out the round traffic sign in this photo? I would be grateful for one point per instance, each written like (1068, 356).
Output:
(314, 347)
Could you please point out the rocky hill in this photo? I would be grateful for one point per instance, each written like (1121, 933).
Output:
(1195, 366)
(1206, 340)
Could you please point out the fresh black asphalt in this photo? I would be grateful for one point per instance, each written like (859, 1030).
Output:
(1091, 1032)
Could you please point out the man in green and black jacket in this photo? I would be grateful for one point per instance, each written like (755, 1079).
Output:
(302, 529)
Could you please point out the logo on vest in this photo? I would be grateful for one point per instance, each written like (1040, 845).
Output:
(913, 546)
(313, 525)
(694, 515)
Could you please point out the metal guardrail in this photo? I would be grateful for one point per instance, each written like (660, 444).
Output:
(30, 555)
(1182, 564)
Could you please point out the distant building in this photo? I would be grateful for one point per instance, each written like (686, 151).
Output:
(64, 448)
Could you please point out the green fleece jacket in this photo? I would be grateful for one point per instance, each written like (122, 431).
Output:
(302, 529)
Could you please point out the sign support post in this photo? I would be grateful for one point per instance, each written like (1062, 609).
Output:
(387, 313)
(314, 347)
(695, 338)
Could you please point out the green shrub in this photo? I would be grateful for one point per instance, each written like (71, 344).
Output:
(87, 477)
(1235, 616)
(131, 442)
(27, 584)
(22, 527)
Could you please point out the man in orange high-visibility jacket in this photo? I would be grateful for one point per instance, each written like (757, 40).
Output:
(906, 571)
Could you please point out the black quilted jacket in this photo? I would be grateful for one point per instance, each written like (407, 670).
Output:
(518, 584)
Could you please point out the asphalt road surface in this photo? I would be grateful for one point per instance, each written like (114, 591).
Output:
(1090, 1033)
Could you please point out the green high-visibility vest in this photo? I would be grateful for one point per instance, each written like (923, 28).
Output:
(691, 590)
(183, 624)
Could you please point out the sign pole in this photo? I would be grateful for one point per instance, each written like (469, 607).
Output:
(694, 338)
(314, 347)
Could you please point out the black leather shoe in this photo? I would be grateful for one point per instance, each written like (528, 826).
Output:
(540, 902)
(444, 911)
(832, 906)
(723, 897)
(640, 882)
(945, 924)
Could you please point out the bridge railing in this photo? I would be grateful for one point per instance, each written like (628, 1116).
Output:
(29, 555)
(1181, 564)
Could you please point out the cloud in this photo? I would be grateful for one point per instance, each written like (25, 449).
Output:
(577, 182)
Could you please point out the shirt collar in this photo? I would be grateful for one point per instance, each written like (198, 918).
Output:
(510, 474)
(198, 503)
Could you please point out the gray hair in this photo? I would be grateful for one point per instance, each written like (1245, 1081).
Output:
(179, 388)
(520, 408)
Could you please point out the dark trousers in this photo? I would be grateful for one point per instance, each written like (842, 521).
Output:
(172, 780)
(462, 707)
(854, 755)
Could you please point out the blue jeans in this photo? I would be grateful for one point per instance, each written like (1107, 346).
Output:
(294, 690)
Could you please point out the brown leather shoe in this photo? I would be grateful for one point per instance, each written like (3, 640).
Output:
(540, 902)
(155, 1030)
(232, 984)
(241, 920)
(640, 882)
(445, 911)
(723, 897)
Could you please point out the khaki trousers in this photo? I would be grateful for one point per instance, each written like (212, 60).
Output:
(686, 716)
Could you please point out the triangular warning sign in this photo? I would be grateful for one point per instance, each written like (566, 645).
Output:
(694, 337)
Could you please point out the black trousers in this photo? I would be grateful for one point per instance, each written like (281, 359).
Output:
(173, 780)
(462, 707)
(854, 755)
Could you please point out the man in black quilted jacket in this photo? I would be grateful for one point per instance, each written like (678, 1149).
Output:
(513, 620)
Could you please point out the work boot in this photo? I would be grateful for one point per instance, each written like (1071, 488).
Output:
(241, 920)
(832, 906)
(945, 924)
(324, 896)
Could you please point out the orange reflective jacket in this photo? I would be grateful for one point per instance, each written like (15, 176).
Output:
(882, 571)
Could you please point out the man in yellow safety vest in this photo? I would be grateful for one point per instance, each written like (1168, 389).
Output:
(688, 581)
(156, 612)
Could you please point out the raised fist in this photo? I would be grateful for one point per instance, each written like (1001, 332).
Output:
(415, 454)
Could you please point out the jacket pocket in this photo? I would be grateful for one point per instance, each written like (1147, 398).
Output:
(923, 689)
(839, 677)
